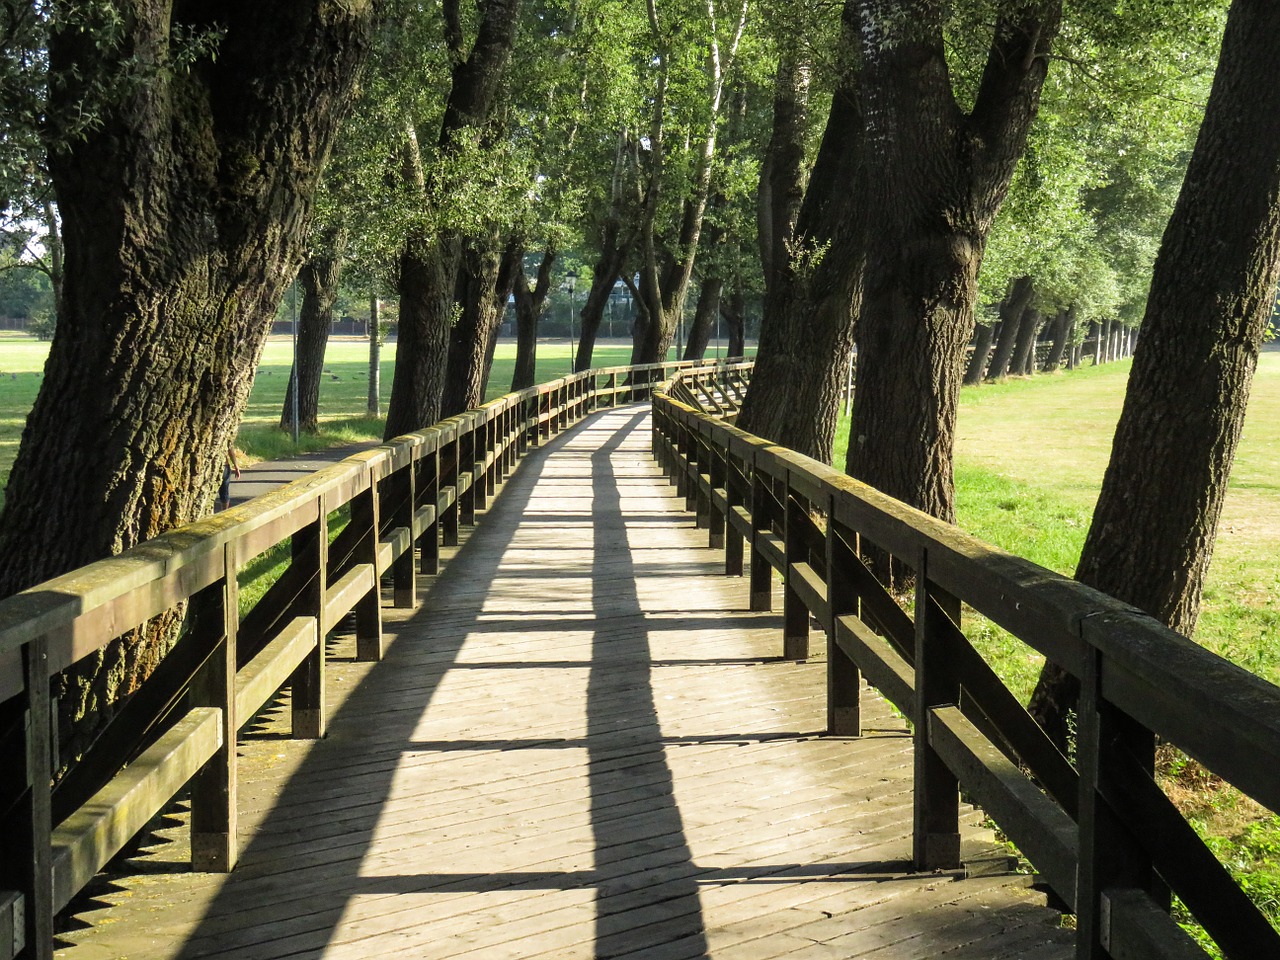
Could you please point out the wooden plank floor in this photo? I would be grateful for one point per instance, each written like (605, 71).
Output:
(581, 746)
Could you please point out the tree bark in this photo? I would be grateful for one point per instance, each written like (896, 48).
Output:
(1063, 324)
(941, 176)
(704, 318)
(1024, 351)
(1012, 309)
(1212, 290)
(429, 264)
(472, 335)
(373, 400)
(734, 310)
(319, 278)
(530, 304)
(806, 333)
(183, 212)
(983, 340)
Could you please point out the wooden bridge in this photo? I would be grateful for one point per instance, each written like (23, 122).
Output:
(551, 712)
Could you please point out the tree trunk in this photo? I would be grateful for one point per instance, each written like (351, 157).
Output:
(1012, 309)
(373, 400)
(734, 310)
(982, 343)
(613, 252)
(530, 304)
(806, 333)
(318, 278)
(469, 341)
(1212, 291)
(183, 212)
(1024, 352)
(704, 318)
(783, 176)
(1061, 330)
(429, 265)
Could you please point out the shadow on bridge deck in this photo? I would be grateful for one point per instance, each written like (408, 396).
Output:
(580, 745)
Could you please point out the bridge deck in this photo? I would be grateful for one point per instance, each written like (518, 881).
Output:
(580, 746)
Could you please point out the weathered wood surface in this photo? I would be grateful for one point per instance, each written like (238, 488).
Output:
(581, 745)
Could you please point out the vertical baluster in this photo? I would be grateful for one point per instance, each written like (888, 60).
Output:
(844, 682)
(466, 453)
(717, 474)
(733, 542)
(449, 464)
(214, 846)
(311, 550)
(761, 587)
(365, 511)
(936, 833)
(403, 489)
(429, 483)
(795, 616)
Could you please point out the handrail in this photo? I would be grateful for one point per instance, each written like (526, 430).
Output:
(1100, 831)
(404, 499)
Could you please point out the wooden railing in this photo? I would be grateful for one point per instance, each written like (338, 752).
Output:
(1101, 832)
(393, 505)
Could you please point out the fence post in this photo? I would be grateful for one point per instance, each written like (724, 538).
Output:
(715, 516)
(429, 484)
(214, 814)
(26, 843)
(310, 547)
(761, 586)
(466, 453)
(404, 495)
(450, 467)
(365, 509)
(1109, 854)
(795, 616)
(844, 680)
(733, 542)
(936, 823)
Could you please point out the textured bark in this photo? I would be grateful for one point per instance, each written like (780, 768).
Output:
(783, 177)
(941, 176)
(318, 278)
(1063, 327)
(1212, 289)
(373, 399)
(806, 333)
(429, 265)
(983, 339)
(704, 318)
(1012, 309)
(1024, 351)
(734, 310)
(472, 335)
(615, 243)
(183, 212)
(530, 304)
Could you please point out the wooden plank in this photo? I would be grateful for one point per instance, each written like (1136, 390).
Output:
(882, 665)
(258, 681)
(85, 841)
(341, 598)
(1135, 928)
(1037, 825)
(13, 914)
(812, 590)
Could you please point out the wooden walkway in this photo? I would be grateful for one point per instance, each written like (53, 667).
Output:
(580, 746)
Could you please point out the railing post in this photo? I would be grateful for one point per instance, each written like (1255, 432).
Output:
(429, 483)
(365, 510)
(761, 587)
(795, 616)
(936, 822)
(1110, 856)
(310, 548)
(451, 466)
(214, 808)
(493, 458)
(733, 540)
(693, 476)
(715, 516)
(467, 468)
(26, 845)
(404, 495)
(844, 680)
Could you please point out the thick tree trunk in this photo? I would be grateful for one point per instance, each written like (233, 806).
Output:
(733, 309)
(373, 399)
(806, 333)
(183, 212)
(704, 318)
(1062, 328)
(318, 278)
(983, 339)
(613, 252)
(1012, 309)
(1212, 291)
(783, 177)
(429, 266)
(530, 303)
(477, 324)
(1024, 352)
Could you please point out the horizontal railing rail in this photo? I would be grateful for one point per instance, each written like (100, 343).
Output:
(395, 505)
(1100, 831)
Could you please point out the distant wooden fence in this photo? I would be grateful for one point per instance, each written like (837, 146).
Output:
(395, 504)
(1100, 831)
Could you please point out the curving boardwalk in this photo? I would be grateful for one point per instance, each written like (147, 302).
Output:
(580, 746)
